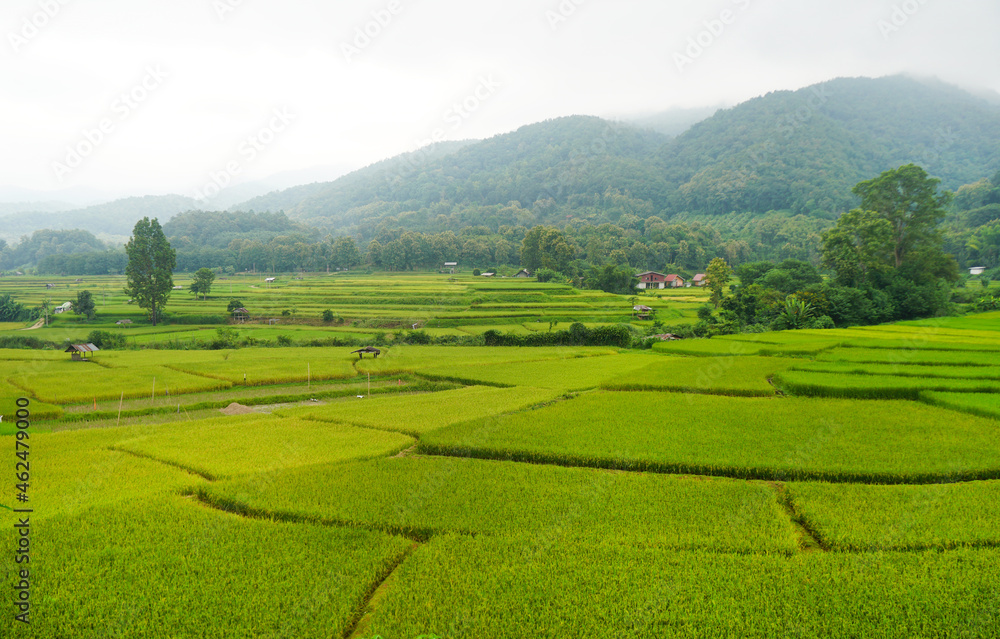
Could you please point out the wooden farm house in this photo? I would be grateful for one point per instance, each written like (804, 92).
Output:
(650, 280)
(241, 314)
(699, 280)
(79, 351)
(523, 273)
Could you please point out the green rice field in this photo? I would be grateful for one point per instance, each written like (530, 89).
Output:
(815, 483)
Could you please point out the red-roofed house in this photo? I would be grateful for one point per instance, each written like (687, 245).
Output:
(651, 279)
(699, 280)
(675, 281)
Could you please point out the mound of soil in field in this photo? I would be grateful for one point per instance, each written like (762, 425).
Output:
(236, 409)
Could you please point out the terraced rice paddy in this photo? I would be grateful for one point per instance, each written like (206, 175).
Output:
(735, 486)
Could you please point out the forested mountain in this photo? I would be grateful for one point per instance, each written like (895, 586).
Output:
(799, 152)
(802, 150)
(41, 244)
(360, 187)
(550, 163)
(113, 218)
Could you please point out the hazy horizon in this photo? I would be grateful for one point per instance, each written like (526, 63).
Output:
(136, 97)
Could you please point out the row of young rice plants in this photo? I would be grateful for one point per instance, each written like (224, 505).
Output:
(490, 588)
(171, 568)
(900, 370)
(924, 357)
(984, 404)
(544, 506)
(760, 438)
(417, 414)
(857, 517)
(813, 384)
(741, 376)
(248, 444)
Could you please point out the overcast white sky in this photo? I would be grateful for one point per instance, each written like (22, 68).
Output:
(215, 71)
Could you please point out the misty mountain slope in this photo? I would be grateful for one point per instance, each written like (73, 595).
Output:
(803, 150)
(359, 186)
(798, 151)
(552, 160)
(113, 218)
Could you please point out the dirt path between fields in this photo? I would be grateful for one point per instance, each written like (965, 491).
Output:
(37, 324)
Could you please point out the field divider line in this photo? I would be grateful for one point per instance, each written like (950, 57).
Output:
(809, 538)
(363, 616)
(678, 468)
(234, 507)
(193, 471)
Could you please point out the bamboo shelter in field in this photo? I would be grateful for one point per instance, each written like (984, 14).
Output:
(79, 351)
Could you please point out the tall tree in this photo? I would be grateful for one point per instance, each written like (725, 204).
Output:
(202, 282)
(906, 197)
(150, 268)
(85, 305)
(718, 275)
(859, 247)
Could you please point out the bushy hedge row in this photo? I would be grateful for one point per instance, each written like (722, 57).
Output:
(619, 335)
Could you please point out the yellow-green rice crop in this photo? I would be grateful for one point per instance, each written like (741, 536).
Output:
(490, 588)
(230, 446)
(408, 359)
(875, 386)
(743, 376)
(416, 414)
(276, 366)
(172, 568)
(559, 374)
(911, 356)
(859, 517)
(765, 438)
(985, 404)
(423, 496)
(67, 382)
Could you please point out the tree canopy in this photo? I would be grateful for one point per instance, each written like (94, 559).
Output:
(151, 262)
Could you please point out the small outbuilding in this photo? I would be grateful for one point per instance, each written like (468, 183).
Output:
(124, 323)
(241, 314)
(523, 273)
(641, 311)
(699, 280)
(79, 351)
(63, 308)
(977, 270)
(674, 281)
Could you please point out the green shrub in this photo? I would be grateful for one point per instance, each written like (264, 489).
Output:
(107, 341)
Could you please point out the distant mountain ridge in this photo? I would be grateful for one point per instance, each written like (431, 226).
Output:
(798, 151)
